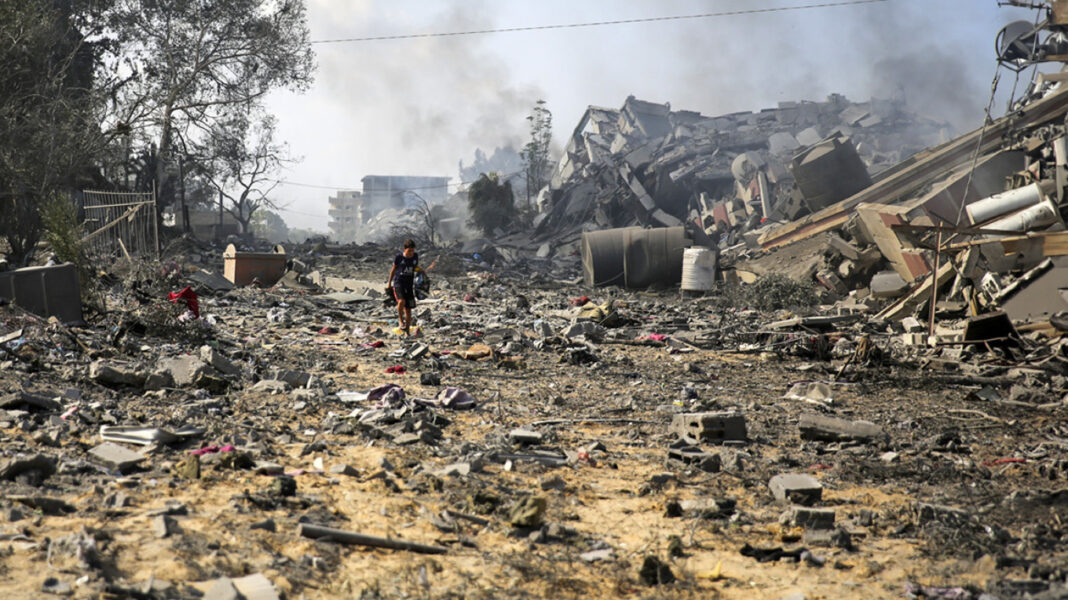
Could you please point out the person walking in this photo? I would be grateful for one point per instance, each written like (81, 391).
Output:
(402, 281)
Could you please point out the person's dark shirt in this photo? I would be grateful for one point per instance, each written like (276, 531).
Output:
(405, 269)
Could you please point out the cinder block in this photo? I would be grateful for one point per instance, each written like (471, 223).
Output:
(809, 518)
(798, 488)
(695, 428)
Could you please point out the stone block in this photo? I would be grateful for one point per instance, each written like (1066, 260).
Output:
(116, 457)
(798, 488)
(714, 427)
(809, 518)
(184, 370)
(218, 362)
(107, 373)
(297, 379)
(524, 436)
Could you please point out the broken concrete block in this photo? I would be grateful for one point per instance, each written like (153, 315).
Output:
(164, 526)
(211, 383)
(708, 508)
(831, 281)
(596, 555)
(912, 325)
(116, 457)
(587, 329)
(256, 587)
(222, 589)
(543, 329)
(809, 518)
(694, 428)
(297, 379)
(798, 488)
(271, 386)
(524, 436)
(458, 469)
(184, 370)
(218, 362)
(157, 381)
(833, 429)
(888, 284)
(843, 247)
(106, 373)
(708, 462)
(37, 466)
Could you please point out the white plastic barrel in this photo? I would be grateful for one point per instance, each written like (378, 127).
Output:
(698, 269)
(1003, 203)
(1031, 218)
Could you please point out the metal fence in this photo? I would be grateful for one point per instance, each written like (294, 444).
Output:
(122, 225)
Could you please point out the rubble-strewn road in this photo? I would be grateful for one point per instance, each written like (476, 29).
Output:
(557, 484)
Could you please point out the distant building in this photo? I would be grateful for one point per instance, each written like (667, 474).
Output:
(350, 210)
(346, 215)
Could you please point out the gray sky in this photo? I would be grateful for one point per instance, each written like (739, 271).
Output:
(419, 106)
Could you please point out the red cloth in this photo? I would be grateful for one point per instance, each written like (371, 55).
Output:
(189, 297)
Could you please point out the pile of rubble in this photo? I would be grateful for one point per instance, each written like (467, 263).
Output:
(270, 440)
(869, 396)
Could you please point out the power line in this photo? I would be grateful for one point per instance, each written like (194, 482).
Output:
(731, 13)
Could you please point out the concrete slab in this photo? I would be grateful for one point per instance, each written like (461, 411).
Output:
(116, 457)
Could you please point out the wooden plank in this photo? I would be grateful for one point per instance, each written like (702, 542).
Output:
(1054, 243)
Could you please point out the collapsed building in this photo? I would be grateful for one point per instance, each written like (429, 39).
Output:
(648, 165)
(890, 208)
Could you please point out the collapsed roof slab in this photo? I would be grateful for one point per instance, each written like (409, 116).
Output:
(921, 169)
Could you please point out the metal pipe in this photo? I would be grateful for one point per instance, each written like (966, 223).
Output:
(317, 532)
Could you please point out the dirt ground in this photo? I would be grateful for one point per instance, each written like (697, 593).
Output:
(944, 447)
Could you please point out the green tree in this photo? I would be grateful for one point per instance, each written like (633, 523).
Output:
(187, 63)
(536, 166)
(48, 128)
(491, 204)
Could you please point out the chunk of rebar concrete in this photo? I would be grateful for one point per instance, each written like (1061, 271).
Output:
(798, 488)
(317, 532)
(833, 429)
(116, 457)
(709, 427)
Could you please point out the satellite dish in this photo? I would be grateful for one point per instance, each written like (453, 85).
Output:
(1016, 42)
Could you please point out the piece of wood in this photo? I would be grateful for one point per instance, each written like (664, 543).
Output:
(317, 532)
(1054, 243)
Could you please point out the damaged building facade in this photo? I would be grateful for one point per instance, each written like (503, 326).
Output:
(354, 214)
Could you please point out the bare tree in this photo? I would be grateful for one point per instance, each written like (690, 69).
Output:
(429, 217)
(242, 160)
(185, 63)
